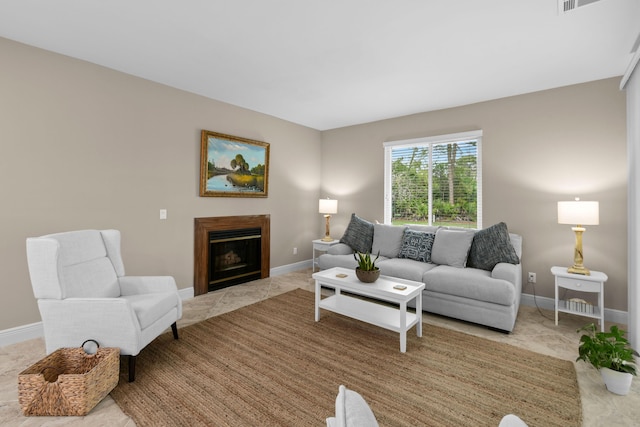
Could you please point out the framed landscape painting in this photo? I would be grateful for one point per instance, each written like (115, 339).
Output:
(231, 166)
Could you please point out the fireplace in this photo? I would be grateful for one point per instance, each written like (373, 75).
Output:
(230, 250)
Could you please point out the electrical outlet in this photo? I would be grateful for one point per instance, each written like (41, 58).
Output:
(295, 251)
(531, 278)
(163, 214)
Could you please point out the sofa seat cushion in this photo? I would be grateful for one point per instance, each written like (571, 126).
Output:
(470, 283)
(404, 268)
(151, 307)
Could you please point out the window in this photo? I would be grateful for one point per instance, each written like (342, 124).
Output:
(435, 180)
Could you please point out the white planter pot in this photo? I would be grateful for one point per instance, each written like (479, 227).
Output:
(616, 382)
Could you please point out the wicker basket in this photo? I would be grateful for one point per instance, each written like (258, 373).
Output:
(68, 381)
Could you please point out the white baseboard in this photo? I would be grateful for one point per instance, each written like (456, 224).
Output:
(186, 293)
(21, 333)
(290, 268)
(35, 330)
(610, 315)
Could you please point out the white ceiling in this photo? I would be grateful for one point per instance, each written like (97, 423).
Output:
(333, 63)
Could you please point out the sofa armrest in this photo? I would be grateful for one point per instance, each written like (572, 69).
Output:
(506, 271)
(340, 249)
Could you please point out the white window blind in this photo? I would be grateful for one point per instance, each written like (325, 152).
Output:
(435, 180)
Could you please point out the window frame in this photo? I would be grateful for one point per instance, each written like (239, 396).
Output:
(430, 141)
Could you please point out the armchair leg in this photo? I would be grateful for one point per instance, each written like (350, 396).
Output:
(132, 368)
(132, 359)
(174, 328)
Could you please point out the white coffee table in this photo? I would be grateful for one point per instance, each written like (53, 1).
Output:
(393, 318)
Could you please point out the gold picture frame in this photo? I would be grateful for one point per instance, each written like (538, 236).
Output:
(231, 166)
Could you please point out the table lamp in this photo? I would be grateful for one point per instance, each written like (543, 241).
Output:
(327, 207)
(578, 213)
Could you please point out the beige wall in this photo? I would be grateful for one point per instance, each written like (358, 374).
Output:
(537, 149)
(82, 146)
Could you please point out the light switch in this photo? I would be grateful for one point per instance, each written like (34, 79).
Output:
(163, 214)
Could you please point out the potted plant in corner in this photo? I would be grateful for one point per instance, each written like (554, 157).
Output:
(366, 271)
(611, 354)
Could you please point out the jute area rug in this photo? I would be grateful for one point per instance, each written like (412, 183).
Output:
(271, 364)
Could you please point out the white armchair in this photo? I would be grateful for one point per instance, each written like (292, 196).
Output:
(79, 281)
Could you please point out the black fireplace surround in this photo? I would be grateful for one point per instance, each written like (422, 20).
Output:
(234, 257)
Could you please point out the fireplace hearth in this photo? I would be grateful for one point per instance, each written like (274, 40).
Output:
(230, 250)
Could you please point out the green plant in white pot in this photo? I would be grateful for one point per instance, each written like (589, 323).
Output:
(366, 271)
(611, 354)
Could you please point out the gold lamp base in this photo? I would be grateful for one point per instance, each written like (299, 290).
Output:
(578, 267)
(327, 236)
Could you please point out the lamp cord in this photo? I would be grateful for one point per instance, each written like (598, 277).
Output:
(535, 301)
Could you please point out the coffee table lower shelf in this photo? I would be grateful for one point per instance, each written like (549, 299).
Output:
(369, 312)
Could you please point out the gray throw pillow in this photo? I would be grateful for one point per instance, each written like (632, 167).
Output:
(359, 234)
(451, 247)
(492, 246)
(416, 245)
(387, 239)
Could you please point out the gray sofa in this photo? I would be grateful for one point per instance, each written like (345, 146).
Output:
(472, 275)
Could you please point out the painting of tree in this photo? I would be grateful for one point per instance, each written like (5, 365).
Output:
(232, 166)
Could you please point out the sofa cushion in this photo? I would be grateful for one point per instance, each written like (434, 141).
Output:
(469, 283)
(425, 228)
(387, 239)
(404, 268)
(451, 246)
(359, 234)
(326, 261)
(491, 246)
(416, 245)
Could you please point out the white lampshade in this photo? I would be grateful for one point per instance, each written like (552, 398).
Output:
(327, 206)
(579, 213)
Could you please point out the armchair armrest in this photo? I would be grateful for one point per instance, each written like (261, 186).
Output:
(110, 321)
(135, 285)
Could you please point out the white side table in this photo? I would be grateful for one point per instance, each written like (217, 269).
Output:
(322, 246)
(581, 283)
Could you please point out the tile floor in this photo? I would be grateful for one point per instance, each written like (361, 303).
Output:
(535, 330)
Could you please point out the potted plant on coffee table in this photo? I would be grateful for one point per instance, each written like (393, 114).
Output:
(366, 271)
(611, 354)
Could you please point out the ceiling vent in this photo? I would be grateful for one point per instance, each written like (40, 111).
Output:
(565, 6)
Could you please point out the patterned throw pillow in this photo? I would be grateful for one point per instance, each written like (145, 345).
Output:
(417, 245)
(358, 235)
(490, 247)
